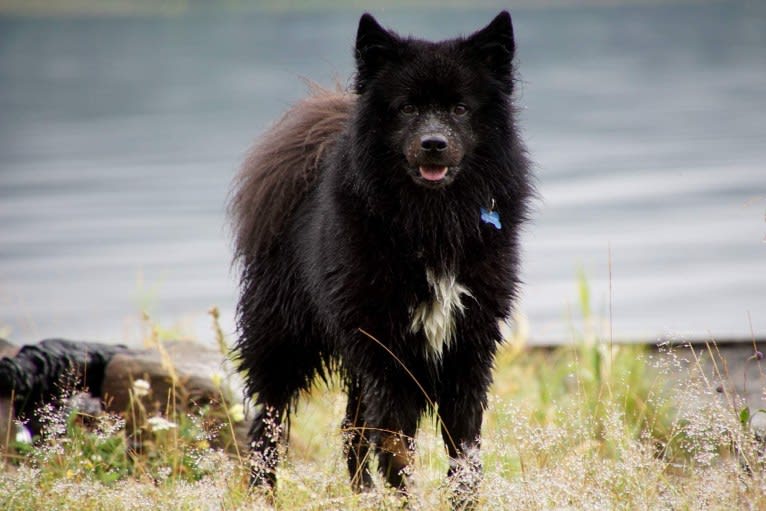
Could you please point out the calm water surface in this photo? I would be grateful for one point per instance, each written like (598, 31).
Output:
(119, 138)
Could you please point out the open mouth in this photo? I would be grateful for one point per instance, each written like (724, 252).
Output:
(433, 172)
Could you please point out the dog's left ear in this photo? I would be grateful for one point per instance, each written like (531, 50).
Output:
(374, 47)
(495, 46)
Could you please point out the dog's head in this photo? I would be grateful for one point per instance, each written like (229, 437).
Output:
(435, 102)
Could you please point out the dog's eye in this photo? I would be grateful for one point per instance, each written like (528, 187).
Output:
(409, 109)
(460, 109)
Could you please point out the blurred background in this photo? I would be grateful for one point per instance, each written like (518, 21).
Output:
(122, 124)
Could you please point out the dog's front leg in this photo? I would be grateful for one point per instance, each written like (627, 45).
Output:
(392, 415)
(357, 435)
(461, 431)
(395, 454)
(461, 408)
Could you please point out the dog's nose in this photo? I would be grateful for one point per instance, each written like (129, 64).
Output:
(433, 142)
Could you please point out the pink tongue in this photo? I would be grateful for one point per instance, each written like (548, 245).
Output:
(432, 172)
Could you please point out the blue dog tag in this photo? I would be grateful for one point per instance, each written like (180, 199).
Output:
(491, 217)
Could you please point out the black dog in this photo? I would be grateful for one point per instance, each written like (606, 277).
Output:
(378, 234)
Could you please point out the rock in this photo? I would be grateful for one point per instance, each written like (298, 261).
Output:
(38, 373)
(183, 377)
(6, 422)
(8, 349)
(193, 367)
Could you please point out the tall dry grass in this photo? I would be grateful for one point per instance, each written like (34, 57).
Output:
(593, 425)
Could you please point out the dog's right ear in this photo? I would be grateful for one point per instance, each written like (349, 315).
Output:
(374, 47)
(494, 46)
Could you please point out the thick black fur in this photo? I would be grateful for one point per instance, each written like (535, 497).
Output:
(334, 250)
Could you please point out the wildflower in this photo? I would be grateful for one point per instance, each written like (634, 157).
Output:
(237, 413)
(141, 388)
(158, 423)
(759, 355)
(23, 436)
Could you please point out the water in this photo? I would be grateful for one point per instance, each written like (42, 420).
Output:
(119, 137)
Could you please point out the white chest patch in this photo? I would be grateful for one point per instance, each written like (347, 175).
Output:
(436, 318)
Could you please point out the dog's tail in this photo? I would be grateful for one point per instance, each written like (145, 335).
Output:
(282, 167)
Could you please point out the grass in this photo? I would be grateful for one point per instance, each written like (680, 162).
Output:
(593, 425)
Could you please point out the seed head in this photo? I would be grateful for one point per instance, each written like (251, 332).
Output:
(141, 388)
(158, 423)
